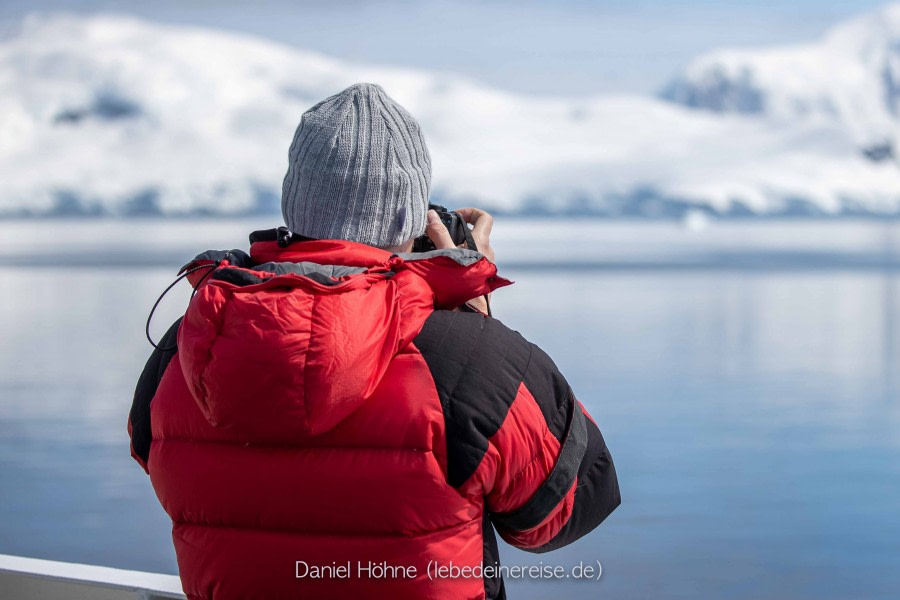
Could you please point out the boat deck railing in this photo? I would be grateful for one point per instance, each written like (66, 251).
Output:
(32, 578)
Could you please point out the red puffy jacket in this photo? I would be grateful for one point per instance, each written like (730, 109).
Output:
(328, 427)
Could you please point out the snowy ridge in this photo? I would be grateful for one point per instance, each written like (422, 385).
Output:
(114, 115)
(851, 76)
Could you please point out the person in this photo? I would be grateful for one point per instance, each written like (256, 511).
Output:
(335, 416)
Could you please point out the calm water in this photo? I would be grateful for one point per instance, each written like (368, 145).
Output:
(745, 377)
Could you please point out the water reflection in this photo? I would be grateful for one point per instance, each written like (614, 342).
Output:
(752, 413)
(754, 421)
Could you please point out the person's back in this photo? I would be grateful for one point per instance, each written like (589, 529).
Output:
(326, 423)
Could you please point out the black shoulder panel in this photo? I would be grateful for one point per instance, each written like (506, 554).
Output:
(477, 364)
(550, 389)
(139, 417)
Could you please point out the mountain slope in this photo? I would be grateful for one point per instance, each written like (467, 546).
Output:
(851, 76)
(113, 115)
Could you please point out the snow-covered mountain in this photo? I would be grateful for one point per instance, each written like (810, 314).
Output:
(113, 115)
(850, 76)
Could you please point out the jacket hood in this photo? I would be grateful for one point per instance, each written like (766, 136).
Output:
(285, 343)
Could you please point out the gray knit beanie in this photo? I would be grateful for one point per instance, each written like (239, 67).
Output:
(358, 170)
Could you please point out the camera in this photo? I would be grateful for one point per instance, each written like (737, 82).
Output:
(455, 224)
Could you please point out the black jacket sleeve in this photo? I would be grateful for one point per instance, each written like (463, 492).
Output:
(583, 457)
(139, 427)
(596, 495)
(480, 368)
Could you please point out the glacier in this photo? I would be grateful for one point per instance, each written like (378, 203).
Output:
(113, 115)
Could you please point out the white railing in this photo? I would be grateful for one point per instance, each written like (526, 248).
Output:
(31, 578)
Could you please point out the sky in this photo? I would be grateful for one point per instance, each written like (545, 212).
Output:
(564, 47)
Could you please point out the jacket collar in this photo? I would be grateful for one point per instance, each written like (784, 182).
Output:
(283, 245)
(455, 275)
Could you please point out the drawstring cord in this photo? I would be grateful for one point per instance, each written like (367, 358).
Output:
(212, 267)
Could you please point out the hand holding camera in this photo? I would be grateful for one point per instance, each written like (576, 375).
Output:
(444, 229)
